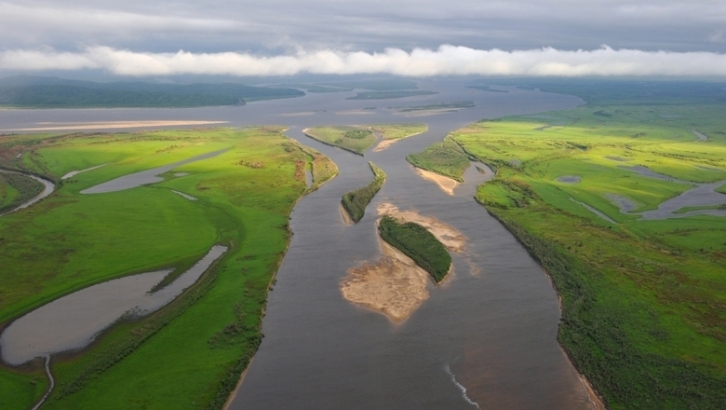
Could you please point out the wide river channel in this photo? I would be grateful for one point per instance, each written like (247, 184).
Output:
(485, 339)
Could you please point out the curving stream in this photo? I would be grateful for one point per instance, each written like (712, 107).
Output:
(484, 339)
(48, 188)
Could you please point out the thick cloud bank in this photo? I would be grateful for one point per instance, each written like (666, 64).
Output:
(446, 60)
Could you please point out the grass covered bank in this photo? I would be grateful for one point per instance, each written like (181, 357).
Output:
(355, 202)
(16, 189)
(642, 300)
(189, 354)
(418, 244)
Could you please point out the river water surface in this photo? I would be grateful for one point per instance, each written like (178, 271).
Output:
(485, 339)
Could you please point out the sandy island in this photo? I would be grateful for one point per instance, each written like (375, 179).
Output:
(452, 239)
(445, 183)
(394, 284)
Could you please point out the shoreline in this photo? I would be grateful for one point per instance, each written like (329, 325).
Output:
(595, 398)
(446, 184)
(113, 125)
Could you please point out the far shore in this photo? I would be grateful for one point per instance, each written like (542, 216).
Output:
(112, 125)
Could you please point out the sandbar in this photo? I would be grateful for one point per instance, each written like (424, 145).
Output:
(393, 285)
(114, 125)
(450, 237)
(384, 144)
(445, 183)
(344, 214)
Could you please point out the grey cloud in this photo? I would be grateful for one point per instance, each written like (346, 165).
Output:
(367, 25)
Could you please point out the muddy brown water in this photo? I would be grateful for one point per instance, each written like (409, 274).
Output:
(485, 339)
(73, 321)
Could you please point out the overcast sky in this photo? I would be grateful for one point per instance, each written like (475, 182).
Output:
(144, 38)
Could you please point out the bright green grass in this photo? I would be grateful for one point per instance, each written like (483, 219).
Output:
(359, 138)
(189, 354)
(446, 158)
(417, 243)
(355, 202)
(643, 301)
(340, 136)
(8, 194)
(399, 131)
(16, 189)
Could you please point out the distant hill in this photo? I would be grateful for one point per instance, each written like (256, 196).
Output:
(52, 92)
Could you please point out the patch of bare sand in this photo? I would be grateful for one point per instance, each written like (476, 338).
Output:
(384, 144)
(49, 126)
(346, 217)
(394, 285)
(446, 184)
(452, 239)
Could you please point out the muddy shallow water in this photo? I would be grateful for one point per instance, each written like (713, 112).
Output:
(73, 321)
(485, 339)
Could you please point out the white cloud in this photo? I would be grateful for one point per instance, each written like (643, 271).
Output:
(420, 62)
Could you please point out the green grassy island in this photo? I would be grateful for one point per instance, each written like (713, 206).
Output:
(446, 158)
(355, 202)
(190, 353)
(418, 244)
(358, 138)
(642, 299)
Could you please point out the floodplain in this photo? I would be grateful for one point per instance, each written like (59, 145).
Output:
(606, 198)
(206, 336)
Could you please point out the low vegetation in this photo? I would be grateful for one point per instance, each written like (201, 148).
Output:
(48, 92)
(188, 355)
(642, 300)
(447, 158)
(399, 131)
(355, 202)
(16, 189)
(417, 243)
(358, 138)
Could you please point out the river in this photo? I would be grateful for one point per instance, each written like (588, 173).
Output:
(485, 339)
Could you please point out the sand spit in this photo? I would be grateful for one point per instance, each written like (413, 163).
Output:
(394, 285)
(114, 125)
(446, 184)
(452, 239)
(384, 144)
(344, 214)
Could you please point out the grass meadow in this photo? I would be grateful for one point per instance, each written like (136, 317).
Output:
(643, 301)
(189, 354)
